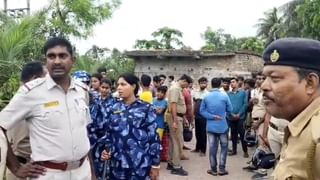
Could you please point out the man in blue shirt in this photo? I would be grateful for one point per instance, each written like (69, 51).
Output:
(214, 108)
(237, 117)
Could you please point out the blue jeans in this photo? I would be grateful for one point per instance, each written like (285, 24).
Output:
(213, 139)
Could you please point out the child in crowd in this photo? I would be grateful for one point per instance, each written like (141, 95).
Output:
(160, 103)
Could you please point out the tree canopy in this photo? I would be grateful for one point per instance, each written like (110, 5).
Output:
(164, 38)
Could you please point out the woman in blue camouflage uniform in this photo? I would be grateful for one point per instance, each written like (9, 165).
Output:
(95, 85)
(99, 109)
(131, 145)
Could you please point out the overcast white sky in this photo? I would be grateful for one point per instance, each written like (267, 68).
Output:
(137, 19)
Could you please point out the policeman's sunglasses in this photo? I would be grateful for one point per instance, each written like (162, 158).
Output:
(60, 55)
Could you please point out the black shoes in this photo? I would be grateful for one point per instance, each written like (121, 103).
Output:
(169, 166)
(179, 171)
(232, 153)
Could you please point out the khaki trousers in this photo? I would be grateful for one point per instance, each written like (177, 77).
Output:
(176, 141)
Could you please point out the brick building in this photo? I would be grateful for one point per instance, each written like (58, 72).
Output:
(195, 63)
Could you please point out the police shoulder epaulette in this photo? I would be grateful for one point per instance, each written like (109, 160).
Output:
(82, 85)
(26, 87)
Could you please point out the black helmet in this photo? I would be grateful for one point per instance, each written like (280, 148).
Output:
(250, 138)
(263, 158)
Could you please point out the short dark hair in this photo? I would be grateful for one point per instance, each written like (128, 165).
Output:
(234, 78)
(202, 79)
(101, 69)
(171, 77)
(240, 78)
(156, 79)
(187, 78)
(162, 76)
(250, 82)
(163, 89)
(303, 72)
(132, 80)
(145, 80)
(106, 81)
(259, 74)
(215, 82)
(227, 80)
(31, 69)
(57, 41)
(97, 75)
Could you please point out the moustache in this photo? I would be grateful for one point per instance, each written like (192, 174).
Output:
(57, 67)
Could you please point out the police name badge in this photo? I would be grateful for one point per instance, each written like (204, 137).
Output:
(51, 104)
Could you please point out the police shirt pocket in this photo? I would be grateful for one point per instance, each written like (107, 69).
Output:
(51, 117)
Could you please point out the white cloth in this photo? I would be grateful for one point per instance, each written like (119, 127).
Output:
(258, 110)
(275, 137)
(3, 151)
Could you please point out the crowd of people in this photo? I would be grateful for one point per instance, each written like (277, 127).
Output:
(86, 126)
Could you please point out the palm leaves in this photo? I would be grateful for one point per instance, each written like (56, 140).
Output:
(15, 38)
(269, 27)
(291, 22)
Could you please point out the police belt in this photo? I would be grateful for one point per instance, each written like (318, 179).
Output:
(63, 166)
(257, 119)
(180, 114)
(275, 127)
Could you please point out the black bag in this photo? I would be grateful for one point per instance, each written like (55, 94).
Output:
(263, 158)
(187, 133)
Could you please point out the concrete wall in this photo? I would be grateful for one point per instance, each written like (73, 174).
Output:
(217, 66)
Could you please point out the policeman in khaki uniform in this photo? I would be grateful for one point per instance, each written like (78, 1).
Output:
(292, 92)
(56, 111)
(174, 116)
(19, 135)
(3, 153)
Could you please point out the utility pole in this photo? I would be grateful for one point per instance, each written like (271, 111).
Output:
(5, 5)
(17, 12)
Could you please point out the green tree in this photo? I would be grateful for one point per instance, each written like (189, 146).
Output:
(87, 63)
(78, 17)
(269, 27)
(291, 25)
(218, 40)
(147, 44)
(97, 52)
(169, 38)
(309, 14)
(252, 44)
(118, 64)
(164, 38)
(8, 89)
(15, 38)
